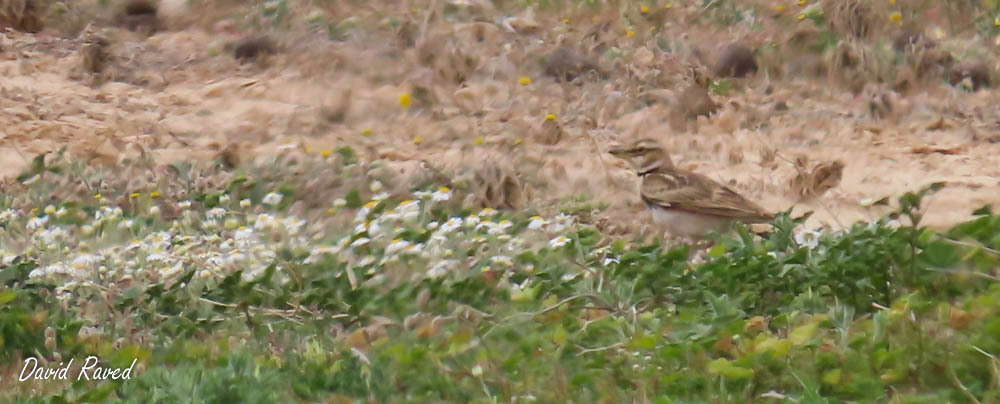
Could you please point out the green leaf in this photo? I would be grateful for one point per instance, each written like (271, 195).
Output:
(38, 163)
(211, 200)
(983, 211)
(718, 366)
(353, 199)
(724, 367)
(832, 377)
(642, 341)
(7, 296)
(98, 394)
(778, 347)
(803, 333)
(236, 182)
(737, 372)
(559, 335)
(717, 251)
(347, 153)
(940, 254)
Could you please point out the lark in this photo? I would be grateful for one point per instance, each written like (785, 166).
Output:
(684, 203)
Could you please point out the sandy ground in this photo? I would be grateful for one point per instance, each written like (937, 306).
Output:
(177, 95)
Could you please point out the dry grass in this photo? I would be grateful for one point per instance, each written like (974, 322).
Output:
(480, 80)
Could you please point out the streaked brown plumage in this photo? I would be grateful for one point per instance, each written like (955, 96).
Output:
(686, 203)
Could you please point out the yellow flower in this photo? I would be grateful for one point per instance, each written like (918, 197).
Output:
(133, 195)
(418, 140)
(779, 8)
(404, 100)
(98, 196)
(895, 17)
(154, 194)
(326, 153)
(630, 33)
(550, 117)
(565, 20)
(996, 21)
(801, 17)
(479, 140)
(524, 80)
(667, 6)
(892, 2)
(371, 204)
(366, 132)
(444, 190)
(519, 140)
(802, 2)
(644, 9)
(36, 210)
(331, 211)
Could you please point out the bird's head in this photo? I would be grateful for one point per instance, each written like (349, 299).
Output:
(645, 155)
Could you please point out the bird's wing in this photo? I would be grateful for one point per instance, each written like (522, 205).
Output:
(695, 193)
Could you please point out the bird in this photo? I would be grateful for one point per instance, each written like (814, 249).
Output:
(684, 203)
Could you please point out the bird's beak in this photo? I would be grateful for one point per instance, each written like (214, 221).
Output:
(616, 151)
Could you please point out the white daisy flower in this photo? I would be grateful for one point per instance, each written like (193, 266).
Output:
(442, 194)
(156, 257)
(171, 271)
(414, 249)
(502, 260)
(450, 225)
(396, 246)
(272, 199)
(243, 234)
(8, 215)
(558, 242)
(440, 269)
(472, 221)
(85, 261)
(808, 238)
(537, 223)
(361, 227)
(215, 213)
(37, 222)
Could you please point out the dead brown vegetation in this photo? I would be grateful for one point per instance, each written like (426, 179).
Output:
(21, 15)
